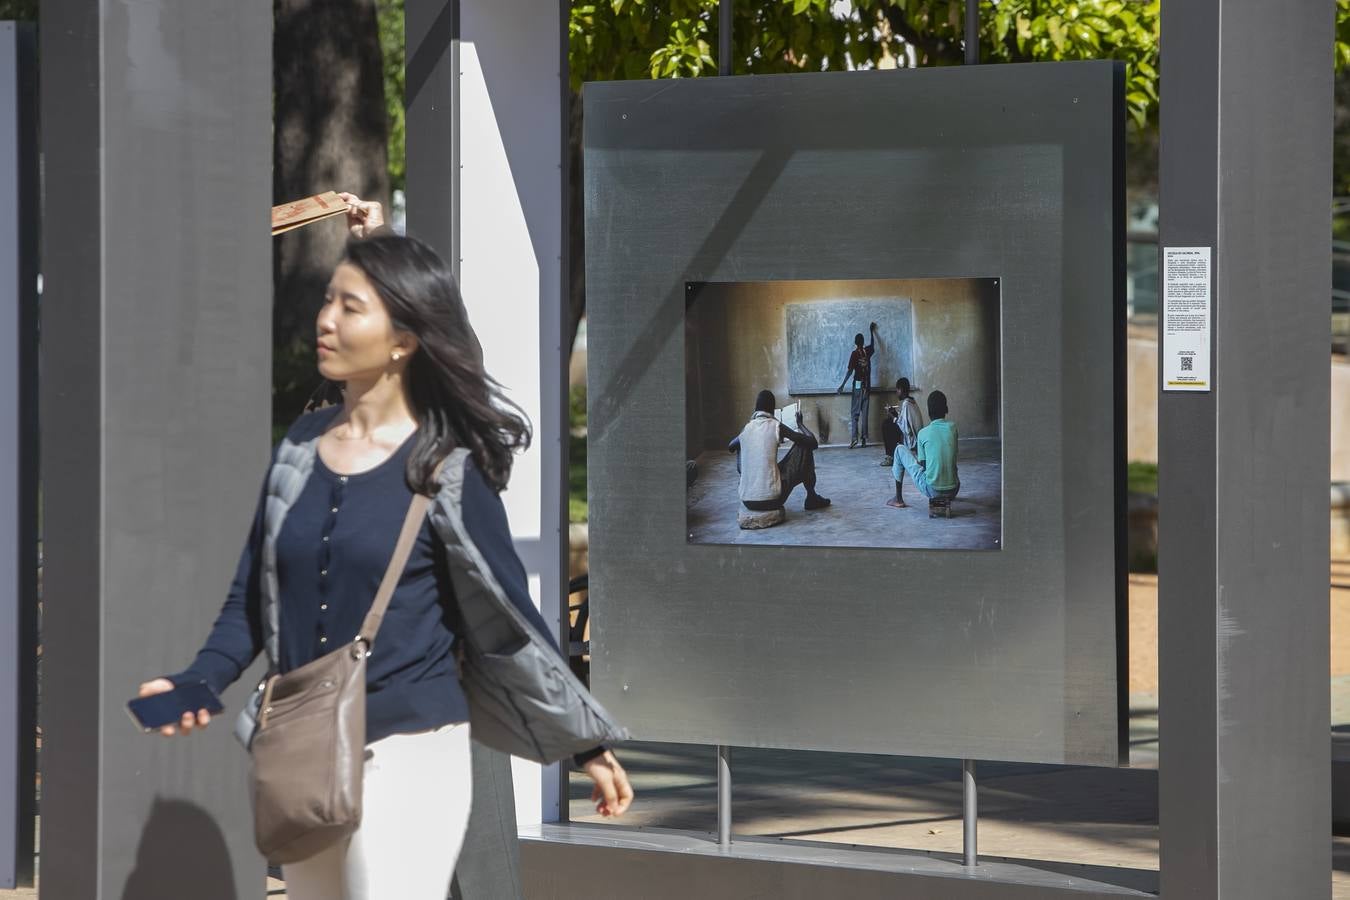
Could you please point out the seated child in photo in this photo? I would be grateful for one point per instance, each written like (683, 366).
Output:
(766, 481)
(933, 466)
(902, 424)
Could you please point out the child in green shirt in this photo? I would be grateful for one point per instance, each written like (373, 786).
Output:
(933, 467)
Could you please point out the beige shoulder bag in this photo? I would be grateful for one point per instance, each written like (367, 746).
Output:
(309, 746)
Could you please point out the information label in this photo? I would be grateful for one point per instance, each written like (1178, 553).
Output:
(1186, 318)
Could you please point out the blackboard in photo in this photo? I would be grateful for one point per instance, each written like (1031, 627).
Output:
(845, 413)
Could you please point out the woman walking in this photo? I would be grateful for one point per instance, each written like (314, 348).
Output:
(418, 416)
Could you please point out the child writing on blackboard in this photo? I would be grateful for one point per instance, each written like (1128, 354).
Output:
(860, 371)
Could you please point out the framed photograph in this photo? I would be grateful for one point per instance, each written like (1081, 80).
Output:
(856, 413)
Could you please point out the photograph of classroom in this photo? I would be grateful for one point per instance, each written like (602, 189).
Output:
(796, 432)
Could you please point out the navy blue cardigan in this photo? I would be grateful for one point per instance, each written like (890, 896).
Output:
(332, 551)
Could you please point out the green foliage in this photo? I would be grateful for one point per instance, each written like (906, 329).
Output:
(577, 507)
(620, 39)
(1142, 477)
(393, 55)
(576, 407)
(1027, 30)
(1342, 34)
(1142, 549)
(18, 10)
(611, 39)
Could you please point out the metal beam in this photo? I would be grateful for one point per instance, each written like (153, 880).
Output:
(1243, 541)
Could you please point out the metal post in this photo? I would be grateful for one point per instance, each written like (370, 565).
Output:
(725, 9)
(972, 32)
(147, 497)
(18, 451)
(1243, 780)
(970, 812)
(432, 36)
(723, 795)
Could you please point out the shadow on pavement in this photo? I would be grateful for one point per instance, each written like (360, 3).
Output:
(182, 853)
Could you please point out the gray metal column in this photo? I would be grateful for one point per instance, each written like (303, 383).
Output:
(431, 85)
(489, 865)
(155, 404)
(1243, 538)
(18, 451)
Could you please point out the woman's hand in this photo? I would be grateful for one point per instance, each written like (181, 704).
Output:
(612, 793)
(363, 216)
(189, 721)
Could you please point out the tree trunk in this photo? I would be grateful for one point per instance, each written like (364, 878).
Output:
(330, 134)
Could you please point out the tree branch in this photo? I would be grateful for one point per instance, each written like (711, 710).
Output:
(935, 49)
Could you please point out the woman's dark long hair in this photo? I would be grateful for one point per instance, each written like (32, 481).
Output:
(457, 404)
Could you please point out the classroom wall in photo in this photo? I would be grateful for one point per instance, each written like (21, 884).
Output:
(942, 334)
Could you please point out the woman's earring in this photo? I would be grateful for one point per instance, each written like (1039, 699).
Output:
(397, 355)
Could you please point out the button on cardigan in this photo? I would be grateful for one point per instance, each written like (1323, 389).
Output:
(332, 551)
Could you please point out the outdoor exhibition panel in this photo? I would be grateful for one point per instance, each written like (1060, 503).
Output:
(978, 212)
(155, 408)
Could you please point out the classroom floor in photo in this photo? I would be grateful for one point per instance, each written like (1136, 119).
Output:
(858, 486)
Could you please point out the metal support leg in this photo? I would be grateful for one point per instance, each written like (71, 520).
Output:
(723, 795)
(969, 812)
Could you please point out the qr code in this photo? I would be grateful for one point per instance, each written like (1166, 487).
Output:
(1187, 363)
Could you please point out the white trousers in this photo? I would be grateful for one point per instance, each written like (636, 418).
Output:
(415, 797)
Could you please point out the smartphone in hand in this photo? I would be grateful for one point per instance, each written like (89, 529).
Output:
(167, 708)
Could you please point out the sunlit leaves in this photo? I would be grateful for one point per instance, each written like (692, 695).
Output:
(1342, 33)
(390, 18)
(678, 38)
(613, 39)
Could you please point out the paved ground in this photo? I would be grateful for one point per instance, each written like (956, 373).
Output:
(1103, 818)
(858, 515)
(1080, 816)
(1067, 815)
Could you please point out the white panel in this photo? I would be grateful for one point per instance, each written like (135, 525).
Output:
(511, 257)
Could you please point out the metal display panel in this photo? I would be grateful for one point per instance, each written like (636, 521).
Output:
(1013, 172)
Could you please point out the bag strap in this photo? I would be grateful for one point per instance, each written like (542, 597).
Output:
(412, 524)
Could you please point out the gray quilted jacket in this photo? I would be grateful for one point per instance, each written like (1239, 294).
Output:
(523, 698)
